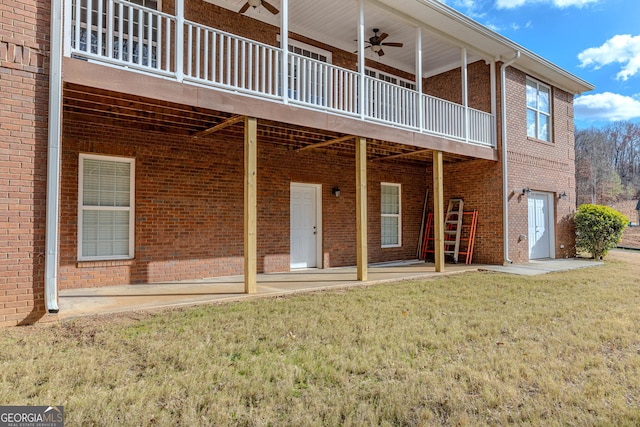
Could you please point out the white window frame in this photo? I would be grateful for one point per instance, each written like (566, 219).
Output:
(537, 84)
(390, 78)
(311, 52)
(398, 215)
(82, 208)
(309, 48)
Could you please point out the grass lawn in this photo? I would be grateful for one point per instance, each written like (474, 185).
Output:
(474, 349)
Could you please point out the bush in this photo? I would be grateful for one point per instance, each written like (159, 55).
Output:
(598, 229)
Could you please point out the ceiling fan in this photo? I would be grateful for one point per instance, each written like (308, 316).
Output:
(256, 3)
(376, 42)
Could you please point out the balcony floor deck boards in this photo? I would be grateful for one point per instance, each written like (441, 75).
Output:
(118, 96)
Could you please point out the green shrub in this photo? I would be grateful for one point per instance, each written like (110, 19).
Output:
(598, 229)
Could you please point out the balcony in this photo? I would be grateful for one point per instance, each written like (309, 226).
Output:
(124, 35)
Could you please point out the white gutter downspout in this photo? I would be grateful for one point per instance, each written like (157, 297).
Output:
(505, 180)
(53, 165)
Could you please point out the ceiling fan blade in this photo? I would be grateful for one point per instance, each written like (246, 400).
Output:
(392, 44)
(270, 7)
(244, 8)
(382, 37)
(365, 48)
(381, 52)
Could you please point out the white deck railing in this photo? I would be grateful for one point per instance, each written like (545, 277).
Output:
(222, 59)
(123, 33)
(132, 36)
(390, 103)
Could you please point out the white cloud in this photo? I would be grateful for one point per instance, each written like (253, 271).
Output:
(471, 8)
(607, 106)
(623, 49)
(511, 4)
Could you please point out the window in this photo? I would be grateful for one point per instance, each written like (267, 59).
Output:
(387, 103)
(309, 51)
(391, 221)
(105, 207)
(307, 79)
(151, 4)
(538, 110)
(129, 37)
(390, 78)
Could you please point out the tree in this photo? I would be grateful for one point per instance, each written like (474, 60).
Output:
(608, 163)
(594, 168)
(598, 229)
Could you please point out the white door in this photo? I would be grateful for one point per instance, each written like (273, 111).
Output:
(540, 226)
(305, 219)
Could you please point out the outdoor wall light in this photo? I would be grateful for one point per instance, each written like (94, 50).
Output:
(525, 191)
(563, 196)
(335, 191)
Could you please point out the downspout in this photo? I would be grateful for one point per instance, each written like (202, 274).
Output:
(505, 180)
(53, 162)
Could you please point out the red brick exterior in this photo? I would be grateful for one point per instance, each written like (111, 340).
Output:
(189, 192)
(24, 82)
(189, 204)
(540, 166)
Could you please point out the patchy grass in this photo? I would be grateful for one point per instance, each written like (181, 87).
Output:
(474, 349)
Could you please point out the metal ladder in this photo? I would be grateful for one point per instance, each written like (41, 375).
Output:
(453, 228)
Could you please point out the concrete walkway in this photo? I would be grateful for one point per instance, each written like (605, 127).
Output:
(113, 299)
(533, 268)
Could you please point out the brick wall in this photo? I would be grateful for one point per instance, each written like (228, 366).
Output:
(24, 35)
(189, 194)
(189, 205)
(449, 86)
(478, 182)
(540, 166)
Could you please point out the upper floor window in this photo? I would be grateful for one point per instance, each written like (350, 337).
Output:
(307, 78)
(308, 51)
(151, 4)
(538, 110)
(105, 207)
(390, 78)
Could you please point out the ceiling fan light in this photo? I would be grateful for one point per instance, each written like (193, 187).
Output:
(376, 48)
(254, 3)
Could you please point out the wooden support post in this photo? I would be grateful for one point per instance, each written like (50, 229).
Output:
(250, 204)
(361, 207)
(438, 211)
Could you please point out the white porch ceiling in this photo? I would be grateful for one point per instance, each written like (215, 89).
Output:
(445, 32)
(336, 23)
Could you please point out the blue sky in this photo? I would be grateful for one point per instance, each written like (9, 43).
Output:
(597, 40)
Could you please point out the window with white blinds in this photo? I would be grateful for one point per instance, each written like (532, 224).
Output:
(391, 215)
(106, 207)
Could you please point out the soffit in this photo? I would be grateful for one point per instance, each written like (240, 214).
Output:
(336, 23)
(445, 32)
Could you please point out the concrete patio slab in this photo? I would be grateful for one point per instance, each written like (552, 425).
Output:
(536, 267)
(113, 299)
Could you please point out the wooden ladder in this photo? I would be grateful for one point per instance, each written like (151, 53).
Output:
(467, 238)
(453, 228)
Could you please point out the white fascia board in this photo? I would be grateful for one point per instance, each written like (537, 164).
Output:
(452, 25)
